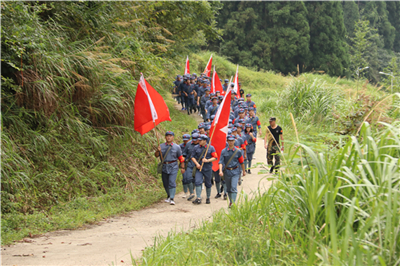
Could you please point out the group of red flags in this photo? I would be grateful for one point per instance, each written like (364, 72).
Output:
(215, 82)
(150, 108)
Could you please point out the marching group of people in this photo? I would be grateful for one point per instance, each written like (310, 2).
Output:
(196, 155)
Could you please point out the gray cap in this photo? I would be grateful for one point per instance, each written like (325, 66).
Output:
(195, 136)
(230, 137)
(203, 137)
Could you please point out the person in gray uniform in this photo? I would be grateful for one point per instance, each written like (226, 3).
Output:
(230, 164)
(171, 154)
(187, 179)
(251, 146)
(225, 86)
(250, 103)
(200, 155)
(206, 97)
(240, 144)
(209, 102)
(185, 138)
(212, 110)
(254, 121)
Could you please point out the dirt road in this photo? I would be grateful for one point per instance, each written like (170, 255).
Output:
(112, 241)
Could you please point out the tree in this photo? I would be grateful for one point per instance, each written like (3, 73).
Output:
(377, 14)
(350, 15)
(394, 70)
(289, 33)
(267, 35)
(327, 37)
(394, 19)
(364, 49)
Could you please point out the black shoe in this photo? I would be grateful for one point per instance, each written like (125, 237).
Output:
(190, 197)
(225, 196)
(197, 201)
(222, 189)
(248, 171)
(218, 196)
(272, 169)
(208, 201)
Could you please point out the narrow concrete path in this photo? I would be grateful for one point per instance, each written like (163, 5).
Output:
(114, 240)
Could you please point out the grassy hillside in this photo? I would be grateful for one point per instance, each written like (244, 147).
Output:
(336, 202)
(69, 76)
(324, 107)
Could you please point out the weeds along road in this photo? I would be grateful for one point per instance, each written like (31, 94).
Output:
(113, 240)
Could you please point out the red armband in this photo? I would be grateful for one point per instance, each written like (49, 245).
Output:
(241, 160)
(243, 146)
(181, 159)
(258, 123)
(254, 106)
(254, 139)
(246, 143)
(214, 154)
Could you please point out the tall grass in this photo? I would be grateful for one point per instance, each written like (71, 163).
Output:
(70, 73)
(341, 209)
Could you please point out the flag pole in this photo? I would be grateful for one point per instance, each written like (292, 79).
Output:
(158, 140)
(208, 146)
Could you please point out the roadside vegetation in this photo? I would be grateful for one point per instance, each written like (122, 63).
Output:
(69, 76)
(336, 200)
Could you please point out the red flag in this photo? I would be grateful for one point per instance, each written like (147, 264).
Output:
(215, 83)
(207, 70)
(187, 67)
(220, 123)
(236, 82)
(150, 108)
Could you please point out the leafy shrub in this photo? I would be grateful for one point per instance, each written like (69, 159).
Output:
(315, 100)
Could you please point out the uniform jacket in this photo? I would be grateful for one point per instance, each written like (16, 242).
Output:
(236, 161)
(175, 154)
(198, 150)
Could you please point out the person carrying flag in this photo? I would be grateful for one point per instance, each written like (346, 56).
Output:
(230, 160)
(203, 155)
(171, 154)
